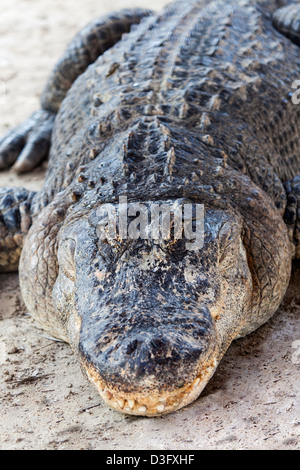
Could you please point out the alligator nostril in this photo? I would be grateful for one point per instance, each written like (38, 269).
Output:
(131, 348)
(158, 344)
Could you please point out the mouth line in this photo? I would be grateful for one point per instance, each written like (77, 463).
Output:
(158, 403)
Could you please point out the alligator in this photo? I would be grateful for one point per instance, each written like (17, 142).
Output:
(193, 105)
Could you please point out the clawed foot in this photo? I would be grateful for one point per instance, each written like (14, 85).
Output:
(27, 145)
(15, 221)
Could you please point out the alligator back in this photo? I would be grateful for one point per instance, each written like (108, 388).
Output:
(190, 90)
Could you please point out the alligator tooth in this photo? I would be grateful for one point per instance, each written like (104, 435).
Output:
(131, 404)
(107, 395)
(160, 408)
(196, 383)
(142, 409)
(121, 403)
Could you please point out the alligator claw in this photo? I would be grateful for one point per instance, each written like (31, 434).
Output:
(15, 221)
(28, 144)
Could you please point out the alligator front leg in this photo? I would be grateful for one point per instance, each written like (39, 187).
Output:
(27, 145)
(292, 213)
(15, 221)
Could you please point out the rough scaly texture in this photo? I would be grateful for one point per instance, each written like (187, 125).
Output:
(192, 106)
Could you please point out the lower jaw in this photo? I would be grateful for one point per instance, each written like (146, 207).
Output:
(156, 404)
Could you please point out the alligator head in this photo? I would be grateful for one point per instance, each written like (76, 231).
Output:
(150, 319)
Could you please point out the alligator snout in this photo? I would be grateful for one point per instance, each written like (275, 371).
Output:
(149, 362)
(147, 317)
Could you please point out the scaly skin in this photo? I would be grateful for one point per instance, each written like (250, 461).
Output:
(192, 106)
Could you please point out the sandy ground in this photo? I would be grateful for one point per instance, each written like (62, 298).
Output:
(252, 402)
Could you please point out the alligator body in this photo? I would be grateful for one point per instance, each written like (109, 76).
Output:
(192, 105)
